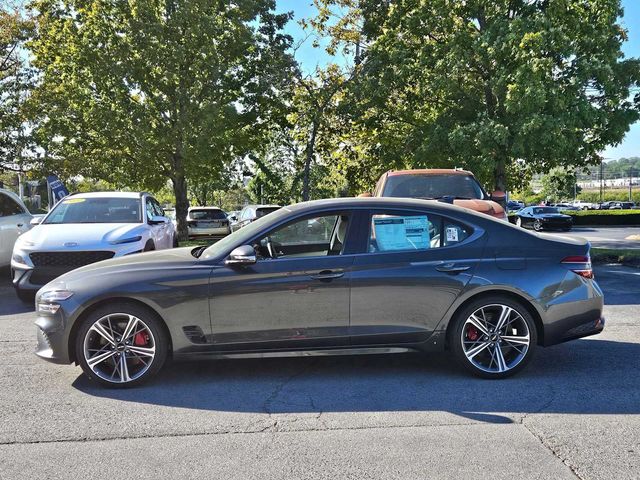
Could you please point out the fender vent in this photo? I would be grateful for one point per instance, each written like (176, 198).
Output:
(194, 334)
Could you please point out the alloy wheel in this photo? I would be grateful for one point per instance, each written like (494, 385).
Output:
(119, 348)
(495, 338)
(537, 225)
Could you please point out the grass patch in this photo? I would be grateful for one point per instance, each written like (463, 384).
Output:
(626, 256)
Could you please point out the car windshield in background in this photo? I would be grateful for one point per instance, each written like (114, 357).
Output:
(543, 210)
(96, 210)
(433, 186)
(207, 214)
(261, 212)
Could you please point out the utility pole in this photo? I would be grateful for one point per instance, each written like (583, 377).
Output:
(630, 180)
(601, 179)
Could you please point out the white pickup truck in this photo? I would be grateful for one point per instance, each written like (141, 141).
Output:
(582, 205)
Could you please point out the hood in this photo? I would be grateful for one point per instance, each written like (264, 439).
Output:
(488, 207)
(553, 215)
(84, 235)
(129, 266)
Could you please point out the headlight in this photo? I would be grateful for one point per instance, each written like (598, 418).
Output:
(18, 259)
(47, 301)
(126, 240)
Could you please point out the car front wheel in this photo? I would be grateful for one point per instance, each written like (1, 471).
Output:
(121, 345)
(537, 225)
(518, 222)
(493, 337)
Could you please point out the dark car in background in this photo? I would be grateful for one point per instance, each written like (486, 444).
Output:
(251, 213)
(328, 277)
(543, 218)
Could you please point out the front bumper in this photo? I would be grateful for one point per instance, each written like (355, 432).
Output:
(52, 340)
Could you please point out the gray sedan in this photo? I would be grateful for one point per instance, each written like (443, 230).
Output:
(329, 277)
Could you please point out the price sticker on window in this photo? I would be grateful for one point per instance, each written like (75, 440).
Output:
(452, 234)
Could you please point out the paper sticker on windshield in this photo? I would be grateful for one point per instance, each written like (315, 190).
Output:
(452, 234)
(74, 200)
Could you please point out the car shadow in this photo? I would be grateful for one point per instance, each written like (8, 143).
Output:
(621, 285)
(581, 377)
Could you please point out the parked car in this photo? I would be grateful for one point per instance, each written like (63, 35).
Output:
(565, 206)
(607, 206)
(390, 275)
(580, 205)
(514, 205)
(86, 228)
(543, 218)
(450, 185)
(622, 206)
(209, 222)
(14, 221)
(251, 213)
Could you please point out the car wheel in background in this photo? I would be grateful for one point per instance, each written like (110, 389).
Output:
(518, 222)
(537, 225)
(149, 246)
(493, 337)
(121, 345)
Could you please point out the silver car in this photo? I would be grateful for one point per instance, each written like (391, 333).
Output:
(211, 222)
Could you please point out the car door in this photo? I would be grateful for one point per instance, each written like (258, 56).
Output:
(14, 221)
(296, 298)
(165, 232)
(154, 228)
(415, 265)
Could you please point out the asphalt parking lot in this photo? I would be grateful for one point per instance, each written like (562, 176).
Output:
(574, 413)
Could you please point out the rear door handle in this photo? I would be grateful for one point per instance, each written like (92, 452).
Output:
(452, 268)
(328, 275)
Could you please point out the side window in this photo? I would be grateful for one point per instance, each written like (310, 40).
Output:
(310, 237)
(157, 208)
(149, 208)
(404, 231)
(8, 206)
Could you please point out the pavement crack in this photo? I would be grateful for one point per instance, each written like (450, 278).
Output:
(267, 405)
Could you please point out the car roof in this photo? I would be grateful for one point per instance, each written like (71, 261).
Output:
(108, 195)
(429, 171)
(205, 208)
(263, 206)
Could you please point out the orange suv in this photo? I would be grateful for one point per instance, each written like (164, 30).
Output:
(454, 186)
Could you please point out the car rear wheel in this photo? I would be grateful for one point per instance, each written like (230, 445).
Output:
(121, 345)
(493, 337)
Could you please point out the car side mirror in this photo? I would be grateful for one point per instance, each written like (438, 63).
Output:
(35, 221)
(233, 218)
(243, 255)
(365, 195)
(498, 196)
(157, 219)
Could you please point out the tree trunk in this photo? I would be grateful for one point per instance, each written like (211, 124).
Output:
(499, 174)
(182, 204)
(311, 145)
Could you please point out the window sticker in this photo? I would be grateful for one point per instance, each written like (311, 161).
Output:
(452, 234)
(401, 233)
(73, 200)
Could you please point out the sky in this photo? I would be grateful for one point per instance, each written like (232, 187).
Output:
(310, 57)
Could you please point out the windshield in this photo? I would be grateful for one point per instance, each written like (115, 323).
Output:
(207, 214)
(96, 210)
(244, 235)
(543, 210)
(433, 186)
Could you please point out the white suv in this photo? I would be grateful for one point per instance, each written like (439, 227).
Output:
(14, 220)
(86, 228)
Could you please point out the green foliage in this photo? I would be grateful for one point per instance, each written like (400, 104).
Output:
(150, 91)
(629, 257)
(16, 80)
(559, 185)
(605, 217)
(503, 88)
(618, 195)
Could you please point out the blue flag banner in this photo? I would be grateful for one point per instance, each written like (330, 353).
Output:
(57, 189)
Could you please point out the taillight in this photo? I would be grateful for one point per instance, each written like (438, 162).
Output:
(582, 263)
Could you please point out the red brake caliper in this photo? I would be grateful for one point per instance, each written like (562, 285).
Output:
(140, 339)
(472, 333)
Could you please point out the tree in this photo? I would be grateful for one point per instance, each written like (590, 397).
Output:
(151, 91)
(560, 184)
(497, 86)
(15, 83)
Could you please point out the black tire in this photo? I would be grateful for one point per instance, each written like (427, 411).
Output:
(150, 319)
(455, 340)
(27, 296)
(149, 246)
(175, 241)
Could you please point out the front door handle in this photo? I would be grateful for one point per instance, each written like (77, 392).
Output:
(328, 275)
(20, 225)
(452, 268)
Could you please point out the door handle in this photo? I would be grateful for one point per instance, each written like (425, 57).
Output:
(452, 268)
(327, 275)
(20, 225)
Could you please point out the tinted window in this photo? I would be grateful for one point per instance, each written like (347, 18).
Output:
(205, 214)
(96, 210)
(157, 208)
(408, 231)
(433, 186)
(311, 230)
(261, 212)
(8, 206)
(542, 210)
